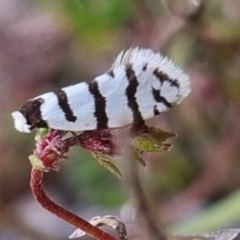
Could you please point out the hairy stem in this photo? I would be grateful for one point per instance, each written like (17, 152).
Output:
(47, 203)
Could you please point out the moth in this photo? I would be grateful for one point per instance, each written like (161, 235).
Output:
(139, 85)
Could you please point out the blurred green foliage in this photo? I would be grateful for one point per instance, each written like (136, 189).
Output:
(91, 182)
(93, 22)
(214, 217)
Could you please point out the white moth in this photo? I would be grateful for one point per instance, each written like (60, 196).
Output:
(140, 85)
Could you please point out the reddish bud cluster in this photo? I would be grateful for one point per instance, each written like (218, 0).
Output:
(53, 146)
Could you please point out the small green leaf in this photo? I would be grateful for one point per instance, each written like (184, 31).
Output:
(106, 162)
(138, 158)
(147, 144)
(40, 134)
(161, 135)
(152, 141)
(36, 162)
(43, 131)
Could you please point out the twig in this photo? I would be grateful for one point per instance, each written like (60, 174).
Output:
(44, 201)
(150, 223)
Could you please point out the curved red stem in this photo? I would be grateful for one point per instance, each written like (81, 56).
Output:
(47, 203)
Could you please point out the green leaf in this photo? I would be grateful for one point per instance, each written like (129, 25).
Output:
(152, 141)
(40, 134)
(161, 135)
(43, 131)
(36, 162)
(138, 158)
(106, 161)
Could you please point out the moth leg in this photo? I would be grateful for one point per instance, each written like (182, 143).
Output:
(76, 138)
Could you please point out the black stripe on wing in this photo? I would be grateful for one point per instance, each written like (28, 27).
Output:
(64, 105)
(162, 77)
(155, 110)
(158, 98)
(100, 105)
(131, 91)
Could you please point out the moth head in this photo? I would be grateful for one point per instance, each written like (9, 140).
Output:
(28, 116)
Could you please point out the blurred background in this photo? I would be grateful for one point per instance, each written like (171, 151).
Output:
(45, 45)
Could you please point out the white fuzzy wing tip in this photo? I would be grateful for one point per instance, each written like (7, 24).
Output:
(139, 57)
(20, 122)
(185, 87)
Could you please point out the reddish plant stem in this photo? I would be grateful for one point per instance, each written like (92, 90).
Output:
(45, 202)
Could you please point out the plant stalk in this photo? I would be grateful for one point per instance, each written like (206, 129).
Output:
(47, 203)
